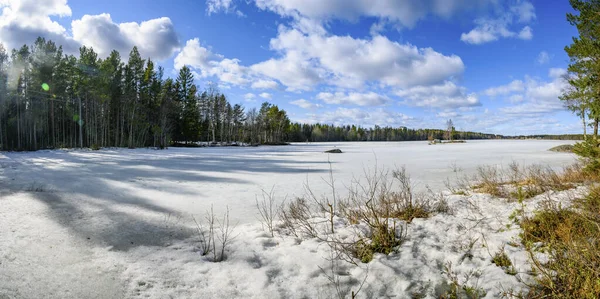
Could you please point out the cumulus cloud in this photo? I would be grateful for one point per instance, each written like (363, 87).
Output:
(353, 98)
(292, 71)
(302, 103)
(250, 97)
(446, 114)
(22, 21)
(363, 117)
(514, 86)
(154, 38)
(344, 61)
(531, 97)
(403, 13)
(264, 84)
(265, 95)
(208, 64)
(492, 29)
(307, 56)
(537, 97)
(446, 95)
(556, 72)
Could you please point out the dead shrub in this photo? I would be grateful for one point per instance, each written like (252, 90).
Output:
(489, 180)
(297, 218)
(267, 208)
(216, 236)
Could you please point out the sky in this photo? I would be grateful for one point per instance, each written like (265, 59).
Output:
(489, 65)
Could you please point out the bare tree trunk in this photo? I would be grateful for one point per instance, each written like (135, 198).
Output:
(596, 120)
(584, 124)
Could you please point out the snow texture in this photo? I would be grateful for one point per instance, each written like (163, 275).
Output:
(116, 223)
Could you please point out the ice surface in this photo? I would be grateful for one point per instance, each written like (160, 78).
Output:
(190, 180)
(116, 222)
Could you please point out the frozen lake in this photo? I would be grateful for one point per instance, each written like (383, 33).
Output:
(189, 180)
(116, 223)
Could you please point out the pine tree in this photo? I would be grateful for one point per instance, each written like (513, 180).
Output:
(584, 54)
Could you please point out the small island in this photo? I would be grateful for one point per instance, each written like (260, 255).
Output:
(565, 148)
(334, 151)
(449, 135)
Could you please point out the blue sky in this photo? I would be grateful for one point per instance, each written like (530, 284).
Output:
(489, 65)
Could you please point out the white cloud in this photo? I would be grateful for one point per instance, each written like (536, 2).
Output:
(302, 103)
(363, 117)
(446, 114)
(543, 58)
(22, 21)
(154, 38)
(403, 13)
(209, 64)
(446, 95)
(353, 98)
(309, 60)
(292, 71)
(526, 33)
(516, 98)
(556, 72)
(227, 6)
(213, 6)
(538, 97)
(524, 12)
(195, 56)
(492, 29)
(308, 57)
(344, 61)
(264, 84)
(265, 95)
(514, 86)
(250, 97)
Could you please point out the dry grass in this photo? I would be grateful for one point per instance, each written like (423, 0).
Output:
(381, 203)
(523, 182)
(570, 238)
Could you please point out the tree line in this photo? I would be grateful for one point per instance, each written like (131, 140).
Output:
(49, 99)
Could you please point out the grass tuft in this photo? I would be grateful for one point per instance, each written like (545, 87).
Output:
(570, 238)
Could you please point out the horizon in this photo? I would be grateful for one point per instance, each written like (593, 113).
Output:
(491, 67)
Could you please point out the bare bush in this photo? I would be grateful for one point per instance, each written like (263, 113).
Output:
(36, 187)
(332, 273)
(381, 203)
(461, 183)
(297, 218)
(205, 237)
(489, 180)
(225, 237)
(214, 231)
(376, 205)
(267, 208)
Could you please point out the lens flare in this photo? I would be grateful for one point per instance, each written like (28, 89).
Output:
(45, 87)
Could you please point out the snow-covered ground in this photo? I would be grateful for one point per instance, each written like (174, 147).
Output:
(116, 223)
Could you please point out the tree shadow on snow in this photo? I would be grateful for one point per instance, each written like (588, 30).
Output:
(104, 223)
(97, 195)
